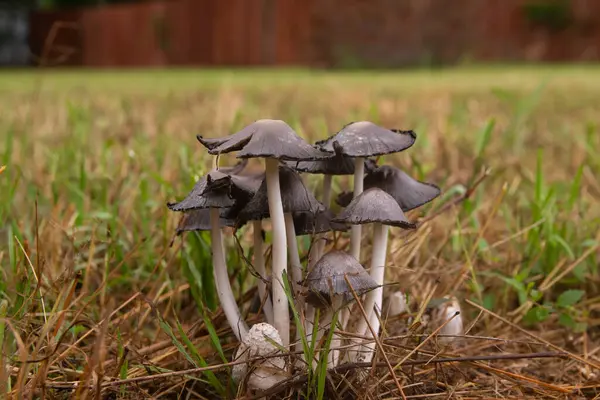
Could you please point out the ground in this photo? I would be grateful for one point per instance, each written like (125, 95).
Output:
(95, 289)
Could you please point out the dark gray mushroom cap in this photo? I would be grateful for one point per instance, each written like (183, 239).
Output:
(374, 205)
(295, 197)
(408, 192)
(365, 139)
(199, 220)
(217, 189)
(326, 279)
(306, 223)
(339, 164)
(265, 138)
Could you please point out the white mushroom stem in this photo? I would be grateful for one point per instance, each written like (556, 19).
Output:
(226, 297)
(324, 325)
(359, 172)
(281, 313)
(374, 298)
(292, 243)
(336, 341)
(259, 265)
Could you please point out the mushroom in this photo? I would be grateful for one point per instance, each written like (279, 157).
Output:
(295, 198)
(262, 340)
(339, 164)
(361, 140)
(273, 140)
(216, 191)
(408, 192)
(310, 224)
(379, 208)
(397, 304)
(443, 311)
(327, 288)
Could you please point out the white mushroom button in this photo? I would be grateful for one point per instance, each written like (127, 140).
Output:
(264, 373)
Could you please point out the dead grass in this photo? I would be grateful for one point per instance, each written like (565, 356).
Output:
(93, 292)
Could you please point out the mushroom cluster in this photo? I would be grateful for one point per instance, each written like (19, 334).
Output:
(331, 277)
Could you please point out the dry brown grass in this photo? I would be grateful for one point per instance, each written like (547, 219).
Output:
(88, 270)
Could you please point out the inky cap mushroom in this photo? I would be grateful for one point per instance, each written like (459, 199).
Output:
(374, 205)
(265, 138)
(365, 139)
(408, 192)
(263, 373)
(326, 279)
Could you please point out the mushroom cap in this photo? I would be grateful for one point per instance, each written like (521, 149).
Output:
(217, 189)
(339, 164)
(306, 223)
(409, 193)
(259, 342)
(374, 205)
(265, 138)
(326, 279)
(365, 139)
(295, 197)
(199, 220)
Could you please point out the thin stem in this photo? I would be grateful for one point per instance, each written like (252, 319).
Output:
(309, 310)
(259, 265)
(375, 297)
(336, 341)
(230, 307)
(292, 244)
(296, 265)
(281, 313)
(359, 172)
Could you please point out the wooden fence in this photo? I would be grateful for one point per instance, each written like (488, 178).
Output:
(308, 32)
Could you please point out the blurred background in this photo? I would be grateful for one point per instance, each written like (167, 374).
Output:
(325, 33)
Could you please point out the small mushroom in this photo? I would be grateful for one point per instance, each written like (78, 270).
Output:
(310, 224)
(216, 191)
(379, 208)
(442, 312)
(360, 140)
(397, 304)
(408, 192)
(328, 289)
(273, 140)
(262, 340)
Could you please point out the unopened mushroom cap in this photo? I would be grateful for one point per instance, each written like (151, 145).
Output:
(326, 279)
(295, 197)
(374, 205)
(409, 193)
(266, 138)
(365, 139)
(199, 220)
(339, 164)
(259, 342)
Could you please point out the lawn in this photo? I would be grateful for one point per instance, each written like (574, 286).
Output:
(97, 293)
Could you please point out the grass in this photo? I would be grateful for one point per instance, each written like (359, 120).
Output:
(94, 288)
